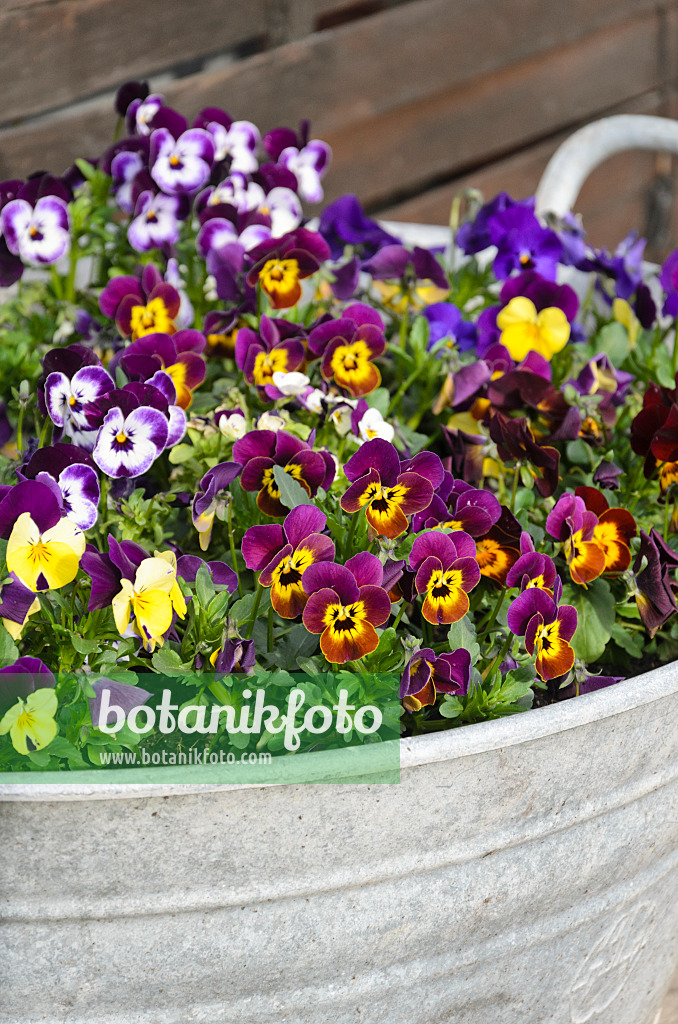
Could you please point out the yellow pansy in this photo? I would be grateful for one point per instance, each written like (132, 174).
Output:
(45, 561)
(524, 330)
(31, 721)
(151, 599)
(623, 314)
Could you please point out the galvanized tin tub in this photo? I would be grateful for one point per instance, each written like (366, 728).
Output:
(523, 871)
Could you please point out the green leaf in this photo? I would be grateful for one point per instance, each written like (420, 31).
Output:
(8, 652)
(580, 453)
(292, 493)
(632, 643)
(204, 587)
(463, 634)
(613, 340)
(451, 707)
(84, 646)
(181, 453)
(595, 608)
(379, 400)
(168, 662)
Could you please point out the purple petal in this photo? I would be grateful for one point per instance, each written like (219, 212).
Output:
(301, 522)
(261, 544)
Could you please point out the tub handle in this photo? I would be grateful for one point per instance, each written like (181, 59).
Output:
(573, 161)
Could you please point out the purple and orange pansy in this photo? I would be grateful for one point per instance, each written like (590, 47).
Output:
(428, 674)
(446, 571)
(283, 553)
(390, 490)
(277, 347)
(547, 629)
(347, 347)
(260, 450)
(345, 605)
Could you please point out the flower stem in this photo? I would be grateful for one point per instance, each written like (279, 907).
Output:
(231, 542)
(269, 630)
(255, 609)
(493, 615)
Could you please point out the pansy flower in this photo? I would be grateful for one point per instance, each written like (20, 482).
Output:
(17, 604)
(181, 165)
(347, 347)
(179, 355)
(156, 222)
(515, 440)
(67, 398)
(281, 263)
(446, 322)
(368, 423)
(73, 472)
(37, 234)
(44, 559)
(457, 505)
(498, 550)
(275, 347)
(522, 243)
(655, 589)
(543, 293)
(152, 599)
(309, 166)
(133, 434)
(261, 450)
(398, 262)
(238, 142)
(573, 524)
(446, 570)
(141, 306)
(532, 569)
(427, 674)
(524, 329)
(389, 490)
(345, 606)
(30, 723)
(222, 575)
(205, 503)
(25, 676)
(614, 531)
(106, 570)
(547, 629)
(283, 553)
(344, 222)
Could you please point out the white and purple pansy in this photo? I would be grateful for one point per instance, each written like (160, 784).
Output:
(73, 472)
(239, 142)
(309, 165)
(124, 168)
(37, 234)
(140, 113)
(155, 223)
(181, 165)
(131, 437)
(66, 399)
(176, 415)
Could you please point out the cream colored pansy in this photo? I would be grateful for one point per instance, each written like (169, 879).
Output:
(31, 721)
(151, 600)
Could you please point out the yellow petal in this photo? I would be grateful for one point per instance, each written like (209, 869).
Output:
(178, 600)
(554, 328)
(121, 606)
(66, 532)
(155, 574)
(43, 702)
(152, 613)
(10, 717)
(520, 310)
(519, 339)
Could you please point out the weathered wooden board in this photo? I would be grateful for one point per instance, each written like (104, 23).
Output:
(54, 53)
(407, 94)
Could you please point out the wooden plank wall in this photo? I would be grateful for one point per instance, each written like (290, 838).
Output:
(418, 98)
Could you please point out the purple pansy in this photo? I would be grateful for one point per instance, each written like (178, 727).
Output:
(23, 677)
(124, 168)
(309, 166)
(238, 142)
(260, 450)
(655, 589)
(459, 506)
(395, 261)
(624, 265)
(205, 502)
(156, 222)
(222, 574)
(446, 321)
(523, 244)
(343, 223)
(474, 235)
(428, 674)
(120, 695)
(237, 655)
(108, 569)
(72, 470)
(40, 233)
(181, 165)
